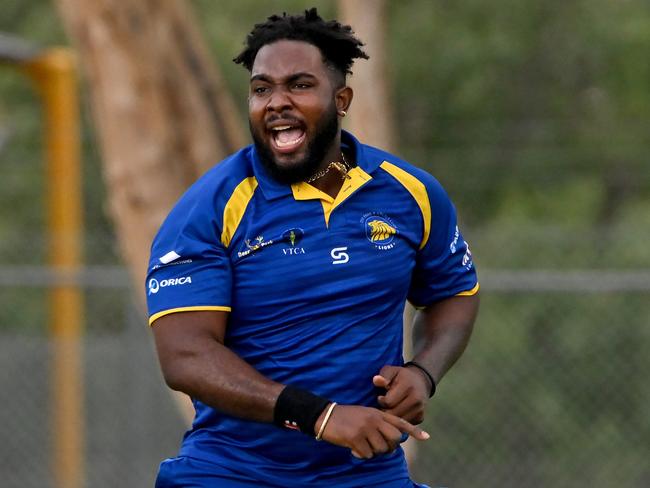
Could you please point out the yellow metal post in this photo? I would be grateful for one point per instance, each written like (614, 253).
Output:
(54, 72)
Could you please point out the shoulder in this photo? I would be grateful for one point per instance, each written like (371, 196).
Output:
(219, 182)
(199, 212)
(422, 185)
(209, 195)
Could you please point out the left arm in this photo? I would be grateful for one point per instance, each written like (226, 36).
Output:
(440, 334)
(443, 267)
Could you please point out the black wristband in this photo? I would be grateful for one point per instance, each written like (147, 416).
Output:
(423, 369)
(298, 409)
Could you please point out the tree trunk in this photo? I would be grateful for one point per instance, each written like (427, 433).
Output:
(371, 114)
(160, 108)
(162, 113)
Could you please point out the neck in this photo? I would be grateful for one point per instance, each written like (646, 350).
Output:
(331, 182)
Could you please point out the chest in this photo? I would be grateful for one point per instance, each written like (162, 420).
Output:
(285, 255)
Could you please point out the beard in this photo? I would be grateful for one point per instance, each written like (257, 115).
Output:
(317, 148)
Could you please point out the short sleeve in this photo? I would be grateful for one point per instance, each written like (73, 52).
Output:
(189, 268)
(444, 265)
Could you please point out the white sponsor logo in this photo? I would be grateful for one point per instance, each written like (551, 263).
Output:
(184, 261)
(454, 243)
(467, 259)
(253, 246)
(339, 255)
(155, 285)
(169, 257)
(292, 251)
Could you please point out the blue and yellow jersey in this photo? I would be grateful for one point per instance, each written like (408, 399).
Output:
(315, 288)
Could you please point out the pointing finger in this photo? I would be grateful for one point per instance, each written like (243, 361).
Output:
(407, 427)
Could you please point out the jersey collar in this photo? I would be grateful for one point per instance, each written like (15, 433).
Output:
(272, 189)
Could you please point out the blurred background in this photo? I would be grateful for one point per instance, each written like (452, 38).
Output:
(535, 116)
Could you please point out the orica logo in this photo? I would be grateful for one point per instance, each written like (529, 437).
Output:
(155, 285)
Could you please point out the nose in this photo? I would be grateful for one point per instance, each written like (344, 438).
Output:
(279, 101)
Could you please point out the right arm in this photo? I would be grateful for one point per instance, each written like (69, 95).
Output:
(194, 360)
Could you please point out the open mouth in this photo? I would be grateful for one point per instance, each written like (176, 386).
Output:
(287, 138)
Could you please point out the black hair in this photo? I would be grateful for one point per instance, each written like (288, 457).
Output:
(336, 42)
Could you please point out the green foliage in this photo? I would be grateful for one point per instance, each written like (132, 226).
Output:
(23, 186)
(23, 210)
(530, 113)
(559, 392)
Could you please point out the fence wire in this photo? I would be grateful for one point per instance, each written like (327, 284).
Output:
(549, 393)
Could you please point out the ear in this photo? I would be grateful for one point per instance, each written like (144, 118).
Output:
(343, 100)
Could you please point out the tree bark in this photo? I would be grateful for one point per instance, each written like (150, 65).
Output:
(371, 115)
(160, 109)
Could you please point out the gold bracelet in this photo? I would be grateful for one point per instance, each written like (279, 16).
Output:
(319, 436)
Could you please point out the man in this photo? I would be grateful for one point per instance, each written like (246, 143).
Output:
(277, 286)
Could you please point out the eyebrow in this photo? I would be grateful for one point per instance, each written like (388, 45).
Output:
(288, 79)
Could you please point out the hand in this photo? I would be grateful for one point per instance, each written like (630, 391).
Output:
(366, 431)
(407, 392)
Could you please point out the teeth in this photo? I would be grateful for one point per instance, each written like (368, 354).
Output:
(282, 133)
(288, 143)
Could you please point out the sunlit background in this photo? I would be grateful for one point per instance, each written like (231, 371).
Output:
(535, 116)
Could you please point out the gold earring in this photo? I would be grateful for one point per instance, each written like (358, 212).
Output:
(342, 113)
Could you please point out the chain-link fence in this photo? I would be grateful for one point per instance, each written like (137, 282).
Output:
(130, 421)
(551, 391)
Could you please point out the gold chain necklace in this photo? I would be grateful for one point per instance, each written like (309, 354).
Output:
(342, 167)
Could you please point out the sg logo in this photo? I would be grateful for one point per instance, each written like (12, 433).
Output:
(339, 256)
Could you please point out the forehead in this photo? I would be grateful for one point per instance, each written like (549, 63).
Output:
(282, 59)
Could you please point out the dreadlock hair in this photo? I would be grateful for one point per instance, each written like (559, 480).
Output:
(336, 42)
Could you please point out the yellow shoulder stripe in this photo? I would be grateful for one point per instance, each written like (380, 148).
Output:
(235, 208)
(419, 193)
(469, 293)
(200, 308)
